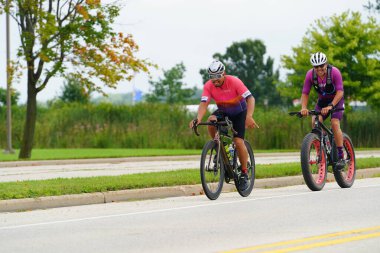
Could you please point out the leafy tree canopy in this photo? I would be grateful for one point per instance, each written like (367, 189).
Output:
(373, 6)
(353, 46)
(55, 36)
(246, 60)
(76, 37)
(73, 91)
(171, 89)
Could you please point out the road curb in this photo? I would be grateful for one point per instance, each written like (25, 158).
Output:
(15, 205)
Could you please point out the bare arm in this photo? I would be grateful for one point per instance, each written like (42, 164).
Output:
(249, 121)
(304, 100)
(338, 97)
(202, 109)
(250, 106)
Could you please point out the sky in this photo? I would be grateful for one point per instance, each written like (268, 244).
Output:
(172, 31)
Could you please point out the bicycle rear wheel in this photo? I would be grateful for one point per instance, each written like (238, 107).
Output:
(212, 172)
(313, 162)
(251, 172)
(346, 176)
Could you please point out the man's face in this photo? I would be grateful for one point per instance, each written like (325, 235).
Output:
(321, 70)
(217, 79)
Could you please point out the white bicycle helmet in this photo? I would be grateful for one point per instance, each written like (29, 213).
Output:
(216, 67)
(318, 59)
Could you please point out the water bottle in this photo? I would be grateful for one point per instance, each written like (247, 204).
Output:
(231, 150)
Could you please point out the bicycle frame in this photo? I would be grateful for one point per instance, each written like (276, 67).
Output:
(225, 166)
(321, 129)
(228, 168)
(219, 138)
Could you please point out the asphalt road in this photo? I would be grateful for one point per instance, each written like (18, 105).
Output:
(37, 170)
(289, 219)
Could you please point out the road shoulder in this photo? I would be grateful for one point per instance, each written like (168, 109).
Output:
(28, 204)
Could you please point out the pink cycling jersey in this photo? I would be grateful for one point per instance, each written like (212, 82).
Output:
(230, 97)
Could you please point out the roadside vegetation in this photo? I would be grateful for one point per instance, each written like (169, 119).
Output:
(87, 153)
(163, 126)
(63, 186)
(93, 153)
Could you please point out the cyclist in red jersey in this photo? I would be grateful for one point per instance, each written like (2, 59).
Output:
(234, 100)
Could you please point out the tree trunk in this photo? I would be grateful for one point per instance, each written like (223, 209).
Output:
(30, 121)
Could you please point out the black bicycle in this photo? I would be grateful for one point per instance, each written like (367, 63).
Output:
(318, 151)
(219, 161)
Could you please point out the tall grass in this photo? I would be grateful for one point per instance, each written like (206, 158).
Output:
(165, 126)
(364, 128)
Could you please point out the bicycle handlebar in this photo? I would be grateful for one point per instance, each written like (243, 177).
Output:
(314, 112)
(227, 123)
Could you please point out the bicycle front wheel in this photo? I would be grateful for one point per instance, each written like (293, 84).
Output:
(212, 172)
(251, 172)
(313, 162)
(346, 176)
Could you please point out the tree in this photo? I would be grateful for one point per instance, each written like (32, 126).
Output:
(70, 36)
(170, 89)
(245, 60)
(14, 96)
(351, 45)
(73, 91)
(375, 7)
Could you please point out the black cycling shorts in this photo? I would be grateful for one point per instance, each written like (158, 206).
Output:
(238, 121)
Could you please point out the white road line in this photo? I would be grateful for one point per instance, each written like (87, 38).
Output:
(174, 209)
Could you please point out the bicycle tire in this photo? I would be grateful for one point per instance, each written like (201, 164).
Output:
(315, 177)
(251, 172)
(346, 177)
(212, 178)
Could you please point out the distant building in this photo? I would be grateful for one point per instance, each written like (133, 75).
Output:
(358, 105)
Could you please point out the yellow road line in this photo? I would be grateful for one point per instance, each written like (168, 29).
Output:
(308, 239)
(326, 243)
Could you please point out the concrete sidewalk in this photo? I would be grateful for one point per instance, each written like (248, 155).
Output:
(39, 170)
(150, 193)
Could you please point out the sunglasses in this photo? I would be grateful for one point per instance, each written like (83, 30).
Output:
(215, 76)
(319, 66)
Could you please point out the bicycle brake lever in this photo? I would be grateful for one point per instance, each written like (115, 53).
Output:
(195, 130)
(195, 127)
(298, 114)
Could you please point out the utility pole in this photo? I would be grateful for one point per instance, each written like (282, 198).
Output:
(8, 149)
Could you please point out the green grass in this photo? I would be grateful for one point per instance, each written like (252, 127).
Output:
(58, 154)
(63, 186)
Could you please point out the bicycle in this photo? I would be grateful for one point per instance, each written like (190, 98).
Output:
(318, 151)
(219, 163)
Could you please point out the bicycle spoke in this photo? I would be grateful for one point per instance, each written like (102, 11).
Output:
(212, 174)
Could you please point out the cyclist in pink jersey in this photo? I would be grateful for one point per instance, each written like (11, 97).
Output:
(327, 81)
(234, 100)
